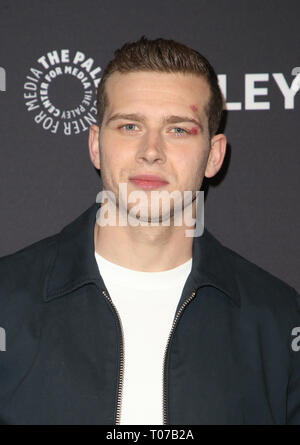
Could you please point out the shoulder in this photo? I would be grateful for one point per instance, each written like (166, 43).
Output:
(23, 272)
(259, 288)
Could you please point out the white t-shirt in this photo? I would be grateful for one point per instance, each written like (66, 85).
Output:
(146, 303)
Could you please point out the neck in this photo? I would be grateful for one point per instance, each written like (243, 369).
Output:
(144, 248)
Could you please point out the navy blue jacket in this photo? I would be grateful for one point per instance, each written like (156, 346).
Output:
(232, 355)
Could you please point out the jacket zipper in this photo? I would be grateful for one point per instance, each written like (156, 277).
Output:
(120, 388)
(186, 302)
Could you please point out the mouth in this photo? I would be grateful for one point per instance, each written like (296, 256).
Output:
(148, 182)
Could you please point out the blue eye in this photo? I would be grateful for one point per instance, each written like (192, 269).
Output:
(127, 125)
(179, 128)
(128, 129)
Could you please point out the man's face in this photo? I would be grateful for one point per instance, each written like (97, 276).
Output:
(166, 135)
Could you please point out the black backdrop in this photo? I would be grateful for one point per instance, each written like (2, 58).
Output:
(46, 176)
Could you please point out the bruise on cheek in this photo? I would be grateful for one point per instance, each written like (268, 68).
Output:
(194, 108)
(194, 130)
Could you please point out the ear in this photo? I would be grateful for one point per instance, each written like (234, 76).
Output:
(216, 155)
(94, 145)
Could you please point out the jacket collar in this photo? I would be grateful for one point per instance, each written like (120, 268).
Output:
(74, 263)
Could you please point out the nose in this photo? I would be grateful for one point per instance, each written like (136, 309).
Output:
(152, 148)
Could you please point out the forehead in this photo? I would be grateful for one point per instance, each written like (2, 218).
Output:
(158, 89)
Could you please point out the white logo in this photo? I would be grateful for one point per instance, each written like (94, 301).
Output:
(182, 214)
(296, 341)
(61, 91)
(256, 84)
(2, 339)
(2, 79)
(296, 81)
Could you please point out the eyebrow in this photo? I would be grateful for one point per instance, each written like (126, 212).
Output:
(172, 119)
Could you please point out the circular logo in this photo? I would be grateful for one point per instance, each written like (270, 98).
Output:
(61, 91)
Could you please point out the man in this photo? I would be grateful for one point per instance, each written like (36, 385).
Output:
(139, 323)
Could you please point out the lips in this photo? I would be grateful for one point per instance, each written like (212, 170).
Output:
(148, 182)
(148, 178)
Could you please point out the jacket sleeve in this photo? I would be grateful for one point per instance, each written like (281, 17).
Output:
(293, 395)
